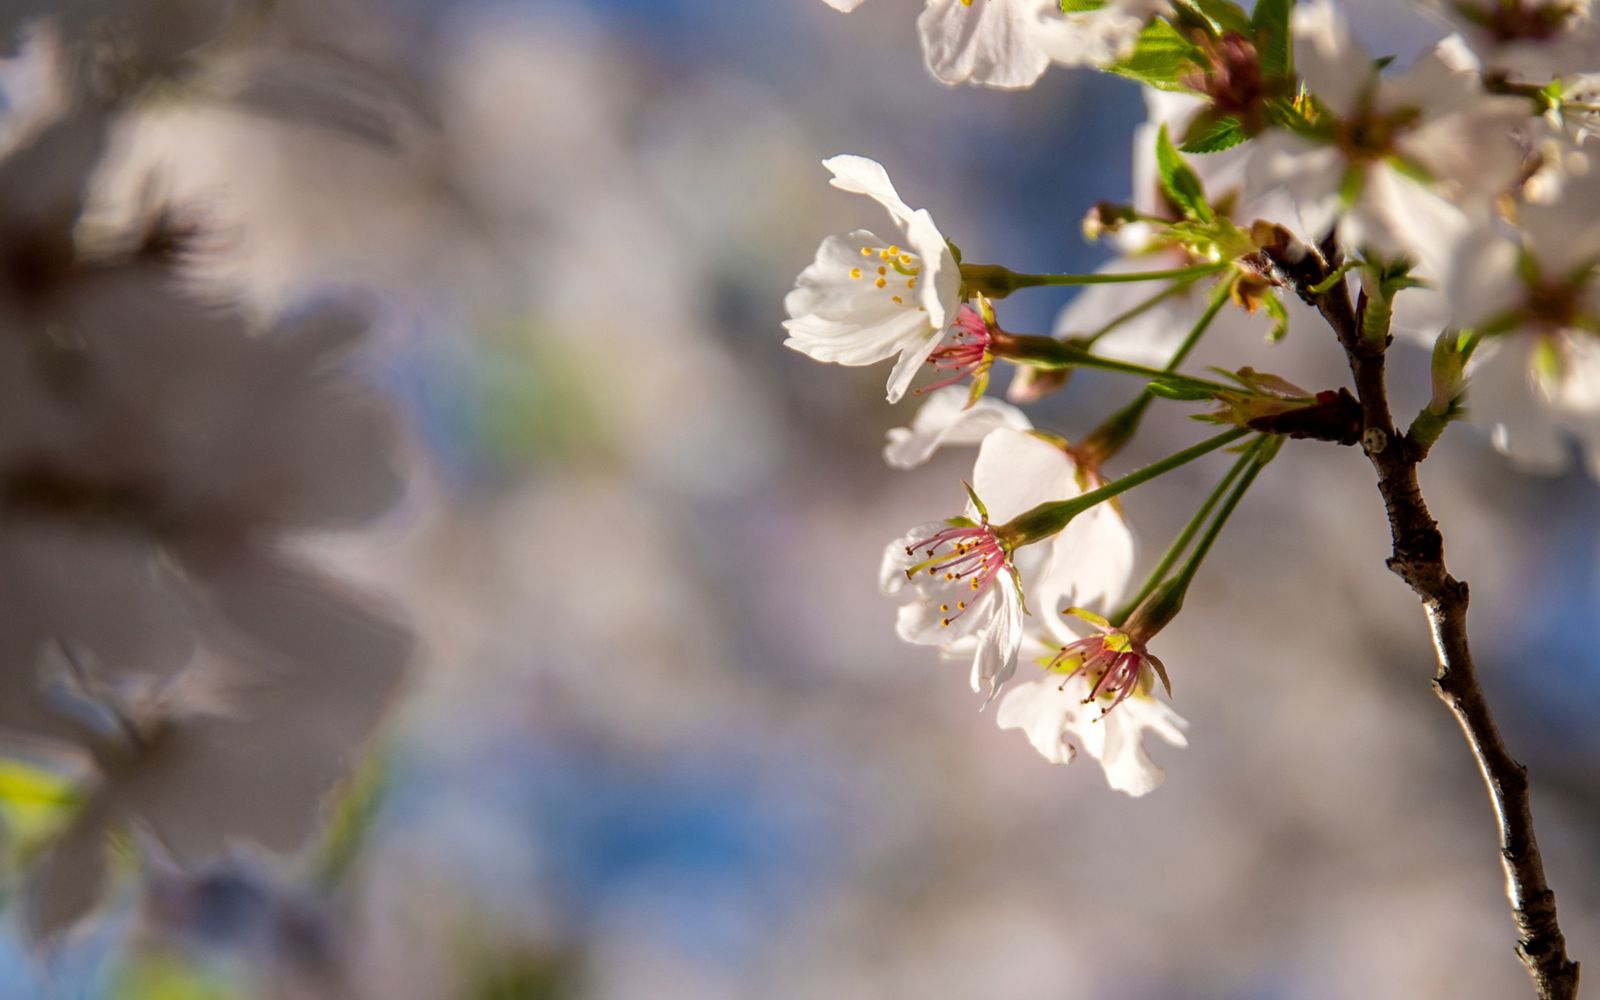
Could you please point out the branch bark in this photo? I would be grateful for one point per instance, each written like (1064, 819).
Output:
(1418, 559)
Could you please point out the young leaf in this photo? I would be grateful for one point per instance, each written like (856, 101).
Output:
(1280, 317)
(1274, 48)
(1220, 15)
(1208, 134)
(1181, 391)
(1160, 58)
(1181, 183)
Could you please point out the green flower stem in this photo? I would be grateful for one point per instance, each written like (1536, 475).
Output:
(1050, 353)
(1166, 293)
(1049, 518)
(1119, 428)
(1264, 451)
(997, 282)
(1181, 544)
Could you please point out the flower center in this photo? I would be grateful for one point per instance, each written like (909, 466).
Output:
(1114, 664)
(1370, 135)
(891, 269)
(970, 553)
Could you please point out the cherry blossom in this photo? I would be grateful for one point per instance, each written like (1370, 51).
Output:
(1097, 692)
(865, 299)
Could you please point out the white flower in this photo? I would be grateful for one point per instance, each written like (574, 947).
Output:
(1053, 714)
(1526, 40)
(1101, 691)
(244, 746)
(1361, 170)
(1010, 43)
(967, 582)
(865, 299)
(967, 589)
(1535, 294)
(947, 418)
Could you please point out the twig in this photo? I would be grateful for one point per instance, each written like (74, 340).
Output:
(1418, 559)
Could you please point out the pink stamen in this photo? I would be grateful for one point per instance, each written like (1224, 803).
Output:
(965, 352)
(1115, 674)
(960, 552)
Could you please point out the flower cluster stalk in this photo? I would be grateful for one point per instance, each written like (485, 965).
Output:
(1119, 428)
(997, 282)
(1180, 545)
(1047, 519)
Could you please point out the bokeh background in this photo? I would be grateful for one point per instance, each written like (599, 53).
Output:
(660, 740)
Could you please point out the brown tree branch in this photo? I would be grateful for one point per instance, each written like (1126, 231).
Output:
(1418, 559)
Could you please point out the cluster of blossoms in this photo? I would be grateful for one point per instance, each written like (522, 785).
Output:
(174, 668)
(1457, 191)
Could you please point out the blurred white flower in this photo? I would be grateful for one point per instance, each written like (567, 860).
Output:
(240, 747)
(864, 298)
(966, 604)
(1534, 292)
(1010, 43)
(1527, 40)
(1398, 159)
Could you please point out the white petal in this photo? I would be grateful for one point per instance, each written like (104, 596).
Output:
(911, 359)
(859, 175)
(1481, 279)
(844, 5)
(991, 42)
(1396, 215)
(939, 284)
(1016, 471)
(1567, 233)
(1310, 173)
(1502, 396)
(1328, 57)
(996, 657)
(1090, 565)
(1128, 768)
(1094, 38)
(1045, 713)
(892, 569)
(945, 418)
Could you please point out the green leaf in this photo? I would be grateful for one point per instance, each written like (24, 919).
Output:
(1207, 134)
(1161, 56)
(1274, 48)
(1081, 6)
(1221, 15)
(1180, 182)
